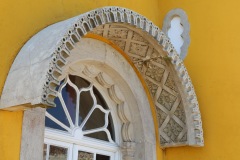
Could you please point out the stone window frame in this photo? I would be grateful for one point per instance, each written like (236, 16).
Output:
(186, 28)
(134, 142)
(67, 33)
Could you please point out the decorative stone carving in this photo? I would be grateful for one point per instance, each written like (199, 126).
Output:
(173, 129)
(117, 33)
(184, 138)
(152, 87)
(138, 38)
(113, 93)
(128, 149)
(138, 49)
(161, 116)
(179, 112)
(163, 141)
(170, 83)
(128, 146)
(155, 72)
(154, 68)
(138, 63)
(120, 44)
(50, 61)
(166, 99)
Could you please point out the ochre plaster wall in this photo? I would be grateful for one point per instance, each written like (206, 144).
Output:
(213, 65)
(10, 135)
(19, 20)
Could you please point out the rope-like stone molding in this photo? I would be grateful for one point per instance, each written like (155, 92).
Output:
(86, 22)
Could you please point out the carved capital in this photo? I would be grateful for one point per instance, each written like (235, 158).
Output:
(128, 150)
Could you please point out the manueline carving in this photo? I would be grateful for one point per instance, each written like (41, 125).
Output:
(142, 59)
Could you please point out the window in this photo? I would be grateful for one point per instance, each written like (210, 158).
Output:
(81, 125)
(174, 33)
(176, 27)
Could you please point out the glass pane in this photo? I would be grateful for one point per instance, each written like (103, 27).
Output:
(96, 120)
(57, 153)
(110, 127)
(85, 155)
(59, 114)
(98, 135)
(79, 82)
(86, 103)
(69, 96)
(102, 102)
(102, 157)
(44, 151)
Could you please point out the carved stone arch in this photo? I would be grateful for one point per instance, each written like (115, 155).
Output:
(109, 71)
(36, 70)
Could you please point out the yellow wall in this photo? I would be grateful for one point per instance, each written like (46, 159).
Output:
(19, 20)
(10, 135)
(213, 64)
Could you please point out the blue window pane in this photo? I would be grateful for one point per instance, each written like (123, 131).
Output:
(59, 114)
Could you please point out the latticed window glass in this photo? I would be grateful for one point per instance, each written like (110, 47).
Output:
(81, 117)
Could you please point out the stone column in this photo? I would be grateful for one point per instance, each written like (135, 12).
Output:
(33, 134)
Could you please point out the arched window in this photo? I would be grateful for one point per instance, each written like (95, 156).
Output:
(126, 59)
(177, 28)
(174, 33)
(81, 126)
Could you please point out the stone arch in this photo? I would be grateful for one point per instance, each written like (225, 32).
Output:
(37, 67)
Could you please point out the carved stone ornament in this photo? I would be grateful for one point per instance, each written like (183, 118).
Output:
(35, 73)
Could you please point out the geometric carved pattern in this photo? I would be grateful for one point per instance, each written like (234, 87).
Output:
(166, 99)
(161, 116)
(138, 49)
(170, 83)
(163, 141)
(184, 138)
(173, 129)
(152, 87)
(180, 113)
(158, 78)
(155, 72)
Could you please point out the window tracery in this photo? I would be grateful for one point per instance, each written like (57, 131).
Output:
(80, 112)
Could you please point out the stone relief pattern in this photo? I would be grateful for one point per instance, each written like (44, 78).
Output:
(137, 37)
(166, 99)
(179, 112)
(153, 69)
(119, 43)
(158, 59)
(138, 63)
(152, 87)
(90, 20)
(117, 33)
(184, 138)
(161, 116)
(155, 72)
(170, 83)
(173, 129)
(138, 49)
(163, 141)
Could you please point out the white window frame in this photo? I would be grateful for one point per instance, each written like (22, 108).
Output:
(64, 138)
